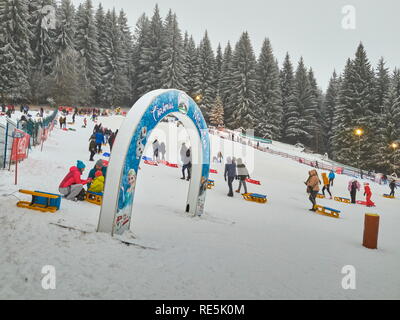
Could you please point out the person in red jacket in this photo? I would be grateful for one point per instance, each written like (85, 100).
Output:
(368, 194)
(72, 183)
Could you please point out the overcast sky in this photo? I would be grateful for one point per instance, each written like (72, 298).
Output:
(309, 28)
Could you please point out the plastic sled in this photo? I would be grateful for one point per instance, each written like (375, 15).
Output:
(253, 181)
(213, 171)
(364, 203)
(94, 197)
(344, 200)
(151, 163)
(327, 211)
(106, 154)
(172, 165)
(147, 158)
(41, 201)
(388, 196)
(254, 197)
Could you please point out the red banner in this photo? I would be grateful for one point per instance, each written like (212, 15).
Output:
(20, 145)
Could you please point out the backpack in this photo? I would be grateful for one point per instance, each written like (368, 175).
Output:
(354, 185)
(188, 153)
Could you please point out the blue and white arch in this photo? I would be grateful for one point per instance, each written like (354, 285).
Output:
(148, 111)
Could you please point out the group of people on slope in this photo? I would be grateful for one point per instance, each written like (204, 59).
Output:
(99, 137)
(235, 169)
(313, 187)
(72, 186)
(158, 148)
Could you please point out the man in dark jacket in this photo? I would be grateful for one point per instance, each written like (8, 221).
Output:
(230, 173)
(92, 148)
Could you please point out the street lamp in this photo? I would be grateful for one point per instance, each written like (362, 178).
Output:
(394, 145)
(198, 98)
(359, 132)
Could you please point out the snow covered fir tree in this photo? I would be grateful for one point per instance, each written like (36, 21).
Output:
(91, 57)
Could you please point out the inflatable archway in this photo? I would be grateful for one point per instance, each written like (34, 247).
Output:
(148, 111)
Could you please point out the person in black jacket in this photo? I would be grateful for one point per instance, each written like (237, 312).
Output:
(92, 147)
(392, 186)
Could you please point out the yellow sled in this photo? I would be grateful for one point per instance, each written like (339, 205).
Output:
(41, 201)
(94, 197)
(327, 211)
(254, 197)
(340, 199)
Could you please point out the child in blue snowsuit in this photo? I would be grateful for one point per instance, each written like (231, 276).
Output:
(331, 177)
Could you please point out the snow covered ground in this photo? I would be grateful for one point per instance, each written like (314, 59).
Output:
(236, 250)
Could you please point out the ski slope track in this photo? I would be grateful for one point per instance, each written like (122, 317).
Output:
(236, 250)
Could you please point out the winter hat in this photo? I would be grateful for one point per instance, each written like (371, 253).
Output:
(366, 184)
(98, 173)
(100, 163)
(80, 164)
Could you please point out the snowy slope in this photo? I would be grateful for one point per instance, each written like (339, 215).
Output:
(237, 250)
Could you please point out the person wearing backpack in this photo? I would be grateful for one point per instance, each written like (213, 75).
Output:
(353, 187)
(242, 175)
(326, 182)
(312, 184)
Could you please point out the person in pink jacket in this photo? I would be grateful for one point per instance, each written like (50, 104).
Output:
(353, 186)
(72, 184)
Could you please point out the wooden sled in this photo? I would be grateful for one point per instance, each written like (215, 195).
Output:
(41, 201)
(254, 197)
(210, 184)
(327, 211)
(388, 196)
(344, 200)
(320, 196)
(94, 197)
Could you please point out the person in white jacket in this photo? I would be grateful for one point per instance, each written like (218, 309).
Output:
(186, 157)
(242, 175)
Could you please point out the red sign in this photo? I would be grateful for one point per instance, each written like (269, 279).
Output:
(20, 145)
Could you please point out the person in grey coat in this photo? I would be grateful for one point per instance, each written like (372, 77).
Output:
(242, 175)
(230, 174)
(186, 157)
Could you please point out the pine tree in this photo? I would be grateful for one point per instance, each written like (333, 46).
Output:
(301, 122)
(226, 82)
(389, 158)
(190, 65)
(205, 86)
(62, 82)
(218, 69)
(15, 51)
(126, 57)
(139, 37)
(355, 110)
(289, 111)
(216, 114)
(150, 62)
(244, 82)
(172, 57)
(330, 104)
(87, 46)
(315, 110)
(269, 96)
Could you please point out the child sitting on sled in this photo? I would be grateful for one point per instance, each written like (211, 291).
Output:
(97, 185)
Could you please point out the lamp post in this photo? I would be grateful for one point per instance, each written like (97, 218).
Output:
(359, 132)
(394, 145)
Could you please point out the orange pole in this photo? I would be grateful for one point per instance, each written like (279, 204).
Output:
(371, 228)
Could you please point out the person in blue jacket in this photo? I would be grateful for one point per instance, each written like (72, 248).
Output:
(331, 177)
(99, 140)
